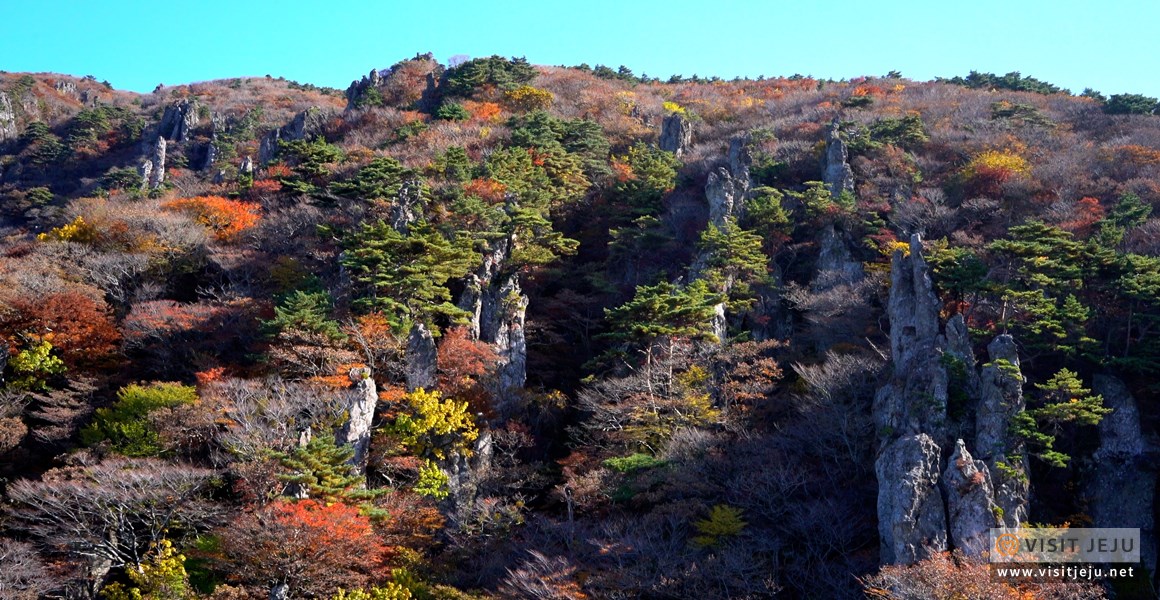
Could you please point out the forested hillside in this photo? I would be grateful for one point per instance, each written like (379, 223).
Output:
(496, 330)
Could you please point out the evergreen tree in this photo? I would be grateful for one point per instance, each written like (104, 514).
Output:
(1062, 401)
(406, 275)
(322, 471)
(305, 312)
(733, 260)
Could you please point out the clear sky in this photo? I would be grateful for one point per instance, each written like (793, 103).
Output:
(1111, 46)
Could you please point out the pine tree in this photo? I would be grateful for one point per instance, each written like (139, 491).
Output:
(1063, 401)
(305, 312)
(406, 275)
(321, 470)
(733, 260)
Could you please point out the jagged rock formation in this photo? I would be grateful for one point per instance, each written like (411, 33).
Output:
(836, 265)
(971, 512)
(726, 191)
(463, 475)
(1122, 487)
(307, 124)
(911, 521)
(358, 88)
(728, 185)
(361, 410)
(422, 358)
(66, 88)
(179, 120)
(676, 135)
(157, 177)
(958, 345)
(408, 205)
(497, 308)
(210, 156)
(247, 167)
(915, 399)
(152, 169)
(1000, 399)
(836, 171)
(8, 130)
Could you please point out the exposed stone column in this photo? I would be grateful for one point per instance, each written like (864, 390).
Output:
(357, 429)
(676, 135)
(911, 521)
(1000, 399)
(971, 510)
(421, 358)
(1122, 487)
(836, 171)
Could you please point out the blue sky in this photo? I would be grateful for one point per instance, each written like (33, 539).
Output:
(136, 44)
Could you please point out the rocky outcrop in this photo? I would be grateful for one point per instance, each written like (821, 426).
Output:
(971, 510)
(728, 185)
(247, 166)
(408, 205)
(157, 177)
(676, 134)
(1000, 399)
(421, 358)
(958, 344)
(836, 265)
(1122, 486)
(361, 412)
(915, 399)
(726, 191)
(357, 89)
(307, 124)
(66, 88)
(152, 169)
(211, 153)
(836, 171)
(179, 120)
(8, 130)
(464, 473)
(496, 307)
(911, 522)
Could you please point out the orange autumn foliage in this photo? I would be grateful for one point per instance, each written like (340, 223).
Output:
(226, 218)
(483, 111)
(488, 190)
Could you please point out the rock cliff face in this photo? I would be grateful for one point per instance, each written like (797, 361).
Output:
(361, 409)
(676, 135)
(179, 120)
(1000, 399)
(8, 130)
(1122, 486)
(358, 88)
(929, 502)
(726, 191)
(497, 306)
(421, 358)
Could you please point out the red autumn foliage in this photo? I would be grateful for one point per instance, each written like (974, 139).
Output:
(463, 364)
(315, 548)
(78, 326)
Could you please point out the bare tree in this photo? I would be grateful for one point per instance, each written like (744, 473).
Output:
(110, 513)
(23, 575)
